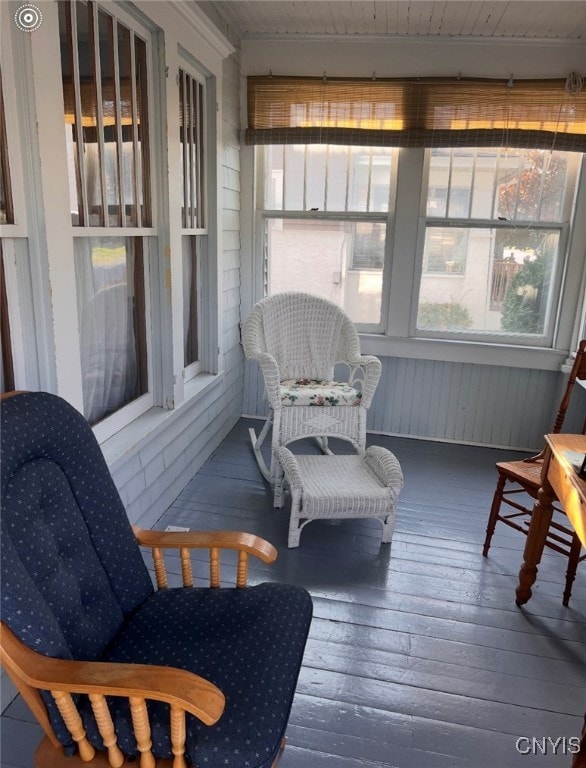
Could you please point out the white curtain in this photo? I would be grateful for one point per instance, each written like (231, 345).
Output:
(105, 296)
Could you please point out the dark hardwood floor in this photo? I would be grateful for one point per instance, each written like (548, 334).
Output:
(418, 656)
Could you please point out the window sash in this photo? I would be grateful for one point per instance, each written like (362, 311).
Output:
(106, 117)
(415, 112)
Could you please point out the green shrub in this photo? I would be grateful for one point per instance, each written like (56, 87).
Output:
(447, 316)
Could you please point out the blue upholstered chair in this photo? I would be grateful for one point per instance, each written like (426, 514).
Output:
(112, 667)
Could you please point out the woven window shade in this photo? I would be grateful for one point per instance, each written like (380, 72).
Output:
(429, 112)
(88, 106)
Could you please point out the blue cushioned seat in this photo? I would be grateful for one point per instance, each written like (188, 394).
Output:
(75, 586)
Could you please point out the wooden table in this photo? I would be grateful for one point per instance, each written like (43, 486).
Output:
(558, 481)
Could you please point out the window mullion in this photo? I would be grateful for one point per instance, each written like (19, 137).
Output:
(136, 165)
(118, 117)
(193, 151)
(186, 218)
(369, 183)
(348, 161)
(305, 177)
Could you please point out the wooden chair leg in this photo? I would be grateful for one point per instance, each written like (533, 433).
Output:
(280, 752)
(573, 560)
(494, 511)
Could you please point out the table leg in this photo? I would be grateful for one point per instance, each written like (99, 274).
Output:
(536, 536)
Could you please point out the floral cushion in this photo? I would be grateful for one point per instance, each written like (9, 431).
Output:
(318, 392)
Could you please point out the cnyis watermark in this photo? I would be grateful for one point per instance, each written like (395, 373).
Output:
(547, 745)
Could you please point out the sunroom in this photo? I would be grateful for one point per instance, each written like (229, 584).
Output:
(167, 165)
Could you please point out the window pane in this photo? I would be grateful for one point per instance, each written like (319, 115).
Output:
(7, 371)
(487, 280)
(6, 210)
(111, 302)
(190, 300)
(359, 186)
(337, 170)
(509, 184)
(445, 250)
(110, 118)
(315, 177)
(104, 73)
(339, 260)
(191, 136)
(294, 177)
(142, 130)
(327, 178)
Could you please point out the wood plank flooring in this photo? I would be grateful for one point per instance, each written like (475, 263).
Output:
(418, 656)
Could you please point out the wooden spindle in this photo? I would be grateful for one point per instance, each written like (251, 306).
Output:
(242, 571)
(142, 731)
(160, 570)
(178, 737)
(214, 567)
(106, 728)
(74, 724)
(186, 571)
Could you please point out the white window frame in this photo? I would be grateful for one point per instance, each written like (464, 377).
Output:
(263, 214)
(200, 233)
(24, 312)
(129, 412)
(403, 273)
(562, 227)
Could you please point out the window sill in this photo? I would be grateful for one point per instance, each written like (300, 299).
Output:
(451, 351)
(130, 439)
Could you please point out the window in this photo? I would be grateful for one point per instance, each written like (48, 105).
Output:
(438, 208)
(105, 74)
(494, 231)
(192, 174)
(325, 212)
(491, 250)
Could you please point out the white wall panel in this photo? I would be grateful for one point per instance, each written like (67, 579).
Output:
(461, 402)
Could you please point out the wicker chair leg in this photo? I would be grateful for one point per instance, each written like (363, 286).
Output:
(294, 527)
(279, 488)
(494, 512)
(388, 528)
(256, 447)
(573, 560)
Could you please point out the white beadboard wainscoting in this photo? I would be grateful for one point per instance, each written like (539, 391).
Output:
(497, 406)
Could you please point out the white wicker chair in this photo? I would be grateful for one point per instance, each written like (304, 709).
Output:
(297, 339)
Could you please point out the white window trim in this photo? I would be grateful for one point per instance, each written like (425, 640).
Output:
(192, 370)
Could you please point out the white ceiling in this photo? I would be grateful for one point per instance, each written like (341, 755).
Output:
(529, 19)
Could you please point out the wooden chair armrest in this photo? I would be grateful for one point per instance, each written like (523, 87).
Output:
(236, 540)
(243, 543)
(173, 686)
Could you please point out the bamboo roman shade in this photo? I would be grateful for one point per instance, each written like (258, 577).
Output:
(417, 112)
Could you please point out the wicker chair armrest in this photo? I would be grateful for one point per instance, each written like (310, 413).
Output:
(177, 687)
(271, 376)
(385, 466)
(372, 367)
(290, 467)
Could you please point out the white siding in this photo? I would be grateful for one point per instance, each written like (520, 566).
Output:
(460, 402)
